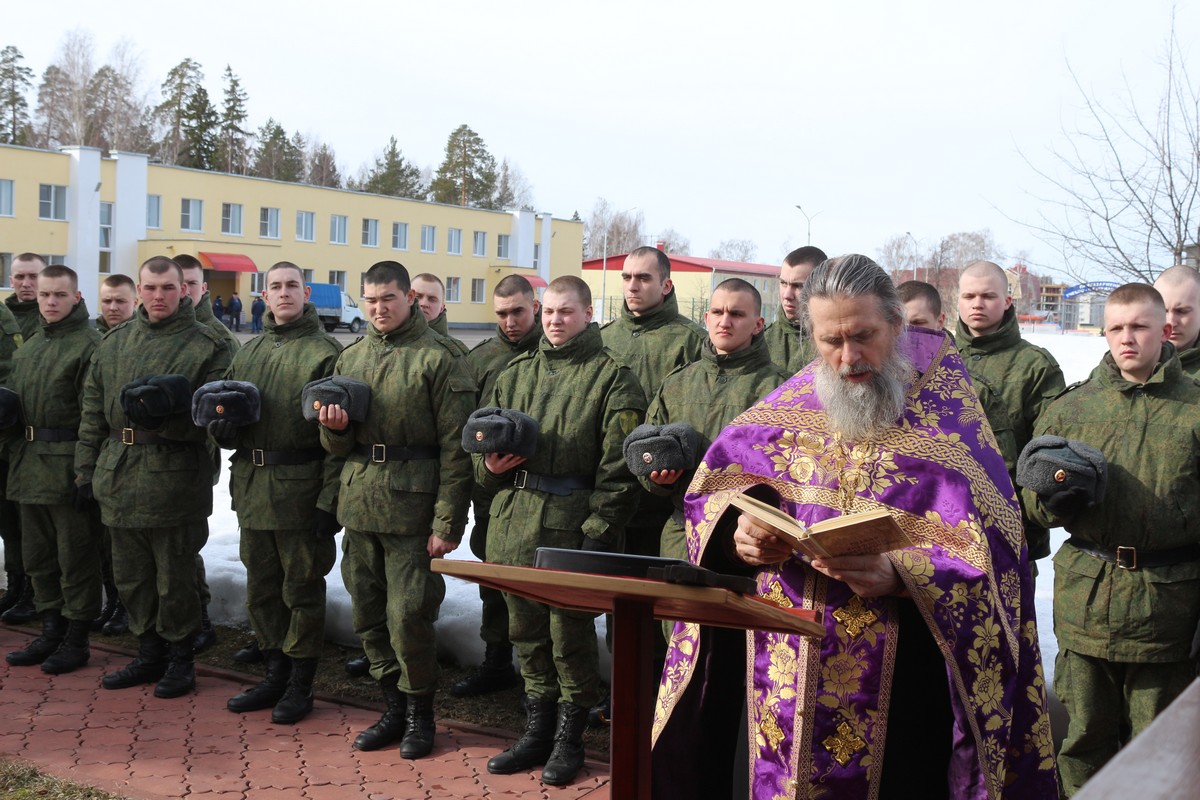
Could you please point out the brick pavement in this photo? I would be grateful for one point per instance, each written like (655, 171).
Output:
(131, 743)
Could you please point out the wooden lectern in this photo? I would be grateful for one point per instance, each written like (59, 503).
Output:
(635, 603)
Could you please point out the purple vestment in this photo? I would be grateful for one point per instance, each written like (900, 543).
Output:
(818, 709)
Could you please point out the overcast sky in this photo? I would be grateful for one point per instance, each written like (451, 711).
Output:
(715, 119)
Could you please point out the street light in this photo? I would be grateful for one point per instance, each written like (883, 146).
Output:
(916, 253)
(808, 220)
(604, 267)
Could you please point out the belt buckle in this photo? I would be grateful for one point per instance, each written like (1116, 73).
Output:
(1127, 558)
(127, 436)
(379, 453)
(29, 433)
(258, 457)
(519, 478)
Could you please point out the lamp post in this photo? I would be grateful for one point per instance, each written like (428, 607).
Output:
(808, 219)
(604, 267)
(916, 253)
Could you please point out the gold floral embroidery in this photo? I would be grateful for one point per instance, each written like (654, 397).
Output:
(841, 674)
(768, 726)
(774, 594)
(844, 744)
(854, 616)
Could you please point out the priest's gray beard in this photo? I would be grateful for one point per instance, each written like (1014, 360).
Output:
(860, 411)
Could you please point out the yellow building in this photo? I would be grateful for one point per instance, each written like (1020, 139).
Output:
(108, 213)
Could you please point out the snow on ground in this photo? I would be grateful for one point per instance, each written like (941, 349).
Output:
(458, 625)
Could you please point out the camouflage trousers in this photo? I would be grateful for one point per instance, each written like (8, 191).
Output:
(61, 551)
(395, 601)
(202, 589)
(155, 570)
(1109, 703)
(493, 623)
(285, 588)
(557, 651)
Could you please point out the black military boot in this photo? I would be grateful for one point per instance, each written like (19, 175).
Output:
(207, 637)
(12, 591)
(535, 744)
(418, 727)
(250, 654)
(148, 667)
(73, 653)
(54, 630)
(391, 725)
(358, 667)
(22, 612)
(495, 674)
(567, 758)
(267, 693)
(297, 701)
(180, 677)
(110, 608)
(118, 624)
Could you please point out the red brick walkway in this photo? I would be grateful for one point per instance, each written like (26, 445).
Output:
(133, 744)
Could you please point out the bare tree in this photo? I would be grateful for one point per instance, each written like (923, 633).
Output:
(1127, 179)
(63, 104)
(900, 256)
(612, 232)
(513, 191)
(675, 242)
(742, 250)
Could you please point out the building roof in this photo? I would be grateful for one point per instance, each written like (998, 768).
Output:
(691, 264)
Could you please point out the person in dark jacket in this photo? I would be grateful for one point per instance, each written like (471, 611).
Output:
(257, 309)
(235, 312)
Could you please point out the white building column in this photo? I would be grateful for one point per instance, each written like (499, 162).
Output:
(129, 211)
(547, 234)
(83, 221)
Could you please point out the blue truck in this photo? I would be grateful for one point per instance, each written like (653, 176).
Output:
(335, 308)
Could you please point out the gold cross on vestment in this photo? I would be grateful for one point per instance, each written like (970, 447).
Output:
(844, 744)
(854, 616)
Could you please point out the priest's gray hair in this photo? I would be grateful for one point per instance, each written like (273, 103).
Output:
(852, 275)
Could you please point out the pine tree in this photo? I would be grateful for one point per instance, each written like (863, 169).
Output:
(292, 165)
(467, 176)
(53, 96)
(232, 155)
(15, 80)
(201, 128)
(394, 176)
(182, 82)
(115, 119)
(322, 166)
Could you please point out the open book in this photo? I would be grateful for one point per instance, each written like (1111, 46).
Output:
(860, 534)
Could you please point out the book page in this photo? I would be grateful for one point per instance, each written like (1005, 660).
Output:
(856, 534)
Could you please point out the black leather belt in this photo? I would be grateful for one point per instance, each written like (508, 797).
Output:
(130, 436)
(1132, 558)
(50, 434)
(542, 483)
(274, 458)
(379, 453)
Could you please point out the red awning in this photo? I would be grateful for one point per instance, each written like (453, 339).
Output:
(536, 281)
(227, 262)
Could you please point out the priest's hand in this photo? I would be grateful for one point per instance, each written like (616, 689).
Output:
(757, 544)
(867, 576)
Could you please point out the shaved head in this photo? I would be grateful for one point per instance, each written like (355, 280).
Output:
(986, 269)
(1180, 290)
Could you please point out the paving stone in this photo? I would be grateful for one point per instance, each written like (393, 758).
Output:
(159, 767)
(275, 778)
(332, 792)
(104, 754)
(406, 790)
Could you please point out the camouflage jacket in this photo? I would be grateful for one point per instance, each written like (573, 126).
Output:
(205, 316)
(655, 343)
(48, 373)
(149, 485)
(441, 326)
(421, 396)
(489, 358)
(27, 314)
(1190, 361)
(789, 344)
(586, 402)
(10, 339)
(279, 363)
(710, 393)
(1150, 435)
(1019, 381)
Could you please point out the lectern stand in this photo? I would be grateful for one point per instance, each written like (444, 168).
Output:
(635, 603)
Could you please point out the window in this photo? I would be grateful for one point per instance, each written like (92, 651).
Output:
(428, 238)
(454, 242)
(370, 234)
(337, 228)
(6, 198)
(453, 290)
(268, 223)
(306, 227)
(338, 278)
(399, 235)
(154, 211)
(480, 248)
(106, 225)
(52, 202)
(258, 280)
(502, 245)
(191, 214)
(231, 218)
(478, 289)
(308, 275)
(537, 254)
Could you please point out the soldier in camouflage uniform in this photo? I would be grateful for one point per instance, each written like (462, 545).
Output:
(17, 605)
(787, 339)
(403, 498)
(518, 331)
(1180, 289)
(1015, 380)
(18, 583)
(1127, 582)
(284, 489)
(922, 305)
(118, 299)
(61, 550)
(152, 473)
(574, 492)
(197, 289)
(431, 297)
